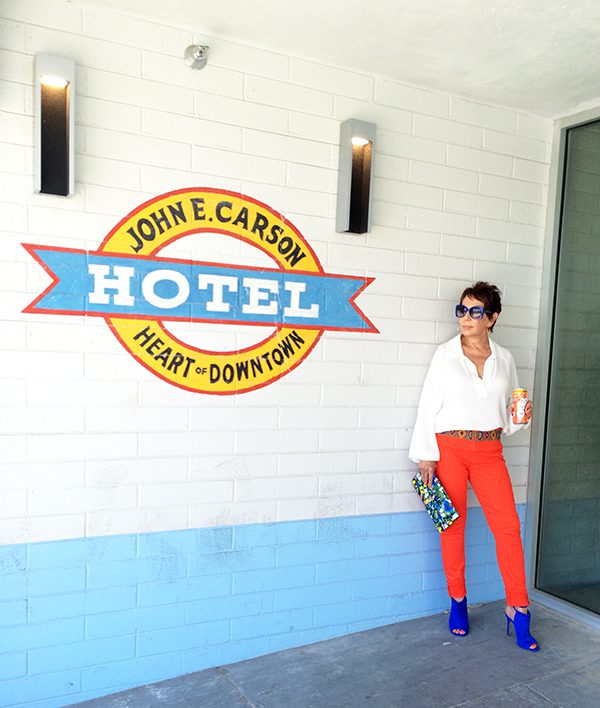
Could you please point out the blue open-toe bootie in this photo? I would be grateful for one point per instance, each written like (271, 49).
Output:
(459, 618)
(521, 623)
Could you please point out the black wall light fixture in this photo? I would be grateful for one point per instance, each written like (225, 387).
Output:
(355, 175)
(54, 123)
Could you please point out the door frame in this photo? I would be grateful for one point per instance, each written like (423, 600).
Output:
(542, 364)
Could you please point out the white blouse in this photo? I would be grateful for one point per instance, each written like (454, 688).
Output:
(455, 398)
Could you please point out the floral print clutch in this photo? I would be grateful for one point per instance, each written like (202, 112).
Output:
(437, 502)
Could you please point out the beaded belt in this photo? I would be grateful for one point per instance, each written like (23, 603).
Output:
(474, 434)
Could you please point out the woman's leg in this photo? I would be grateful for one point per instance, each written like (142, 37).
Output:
(453, 474)
(491, 483)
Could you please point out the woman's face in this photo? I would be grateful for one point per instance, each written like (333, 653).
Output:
(475, 328)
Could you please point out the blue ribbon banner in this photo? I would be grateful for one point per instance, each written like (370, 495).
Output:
(164, 289)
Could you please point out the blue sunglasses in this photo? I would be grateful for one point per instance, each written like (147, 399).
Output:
(476, 313)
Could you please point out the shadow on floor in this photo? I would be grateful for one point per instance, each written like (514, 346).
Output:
(413, 664)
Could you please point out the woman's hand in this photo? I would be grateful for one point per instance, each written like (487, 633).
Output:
(528, 410)
(427, 469)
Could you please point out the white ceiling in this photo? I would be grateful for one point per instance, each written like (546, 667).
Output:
(539, 56)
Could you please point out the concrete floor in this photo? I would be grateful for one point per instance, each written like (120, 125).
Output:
(414, 664)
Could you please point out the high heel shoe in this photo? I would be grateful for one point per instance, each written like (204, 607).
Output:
(521, 624)
(459, 617)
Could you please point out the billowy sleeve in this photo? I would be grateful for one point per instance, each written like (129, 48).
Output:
(511, 427)
(423, 444)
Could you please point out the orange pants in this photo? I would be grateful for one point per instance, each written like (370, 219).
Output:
(481, 463)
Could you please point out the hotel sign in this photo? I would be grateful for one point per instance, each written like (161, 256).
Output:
(138, 291)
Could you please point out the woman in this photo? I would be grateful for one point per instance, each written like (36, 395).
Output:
(464, 406)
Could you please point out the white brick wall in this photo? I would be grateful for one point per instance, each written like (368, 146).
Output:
(92, 443)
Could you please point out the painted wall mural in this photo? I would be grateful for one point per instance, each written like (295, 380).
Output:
(137, 290)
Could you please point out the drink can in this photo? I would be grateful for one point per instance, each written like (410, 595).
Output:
(519, 403)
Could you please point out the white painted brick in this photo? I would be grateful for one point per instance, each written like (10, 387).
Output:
(474, 248)
(106, 200)
(423, 173)
(363, 395)
(431, 220)
(41, 475)
(107, 419)
(106, 114)
(305, 125)
(184, 493)
(234, 111)
(479, 160)
(391, 167)
(32, 529)
(293, 509)
(441, 266)
(13, 393)
(356, 484)
(392, 374)
(41, 420)
(483, 115)
(131, 148)
(391, 93)
(320, 418)
(111, 522)
(289, 201)
(511, 232)
(170, 126)
(353, 350)
(279, 489)
(399, 192)
(388, 215)
(157, 180)
(14, 158)
(12, 448)
(16, 67)
(313, 371)
(137, 471)
(227, 467)
(419, 309)
(234, 419)
(447, 131)
(84, 51)
(534, 127)
(109, 86)
(313, 178)
(380, 305)
(296, 98)
(134, 31)
(60, 14)
(244, 167)
(40, 365)
(411, 147)
(206, 515)
(505, 273)
(398, 330)
(275, 441)
(403, 239)
(402, 284)
(65, 501)
(80, 446)
(108, 173)
(13, 504)
(282, 147)
(519, 317)
(246, 59)
(380, 418)
(511, 188)
(316, 463)
(356, 439)
(516, 145)
(332, 80)
(12, 35)
(185, 443)
(534, 214)
(384, 117)
(531, 171)
(17, 129)
(357, 257)
(12, 277)
(524, 255)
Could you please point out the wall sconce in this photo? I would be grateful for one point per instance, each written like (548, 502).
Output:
(54, 112)
(355, 173)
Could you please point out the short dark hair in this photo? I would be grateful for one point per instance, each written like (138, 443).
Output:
(486, 293)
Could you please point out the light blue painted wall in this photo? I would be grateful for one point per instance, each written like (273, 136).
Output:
(87, 617)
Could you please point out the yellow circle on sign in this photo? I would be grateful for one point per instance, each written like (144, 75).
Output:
(171, 216)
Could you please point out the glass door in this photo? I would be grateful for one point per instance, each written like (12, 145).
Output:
(568, 559)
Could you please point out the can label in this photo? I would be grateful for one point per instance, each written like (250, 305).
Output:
(519, 404)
